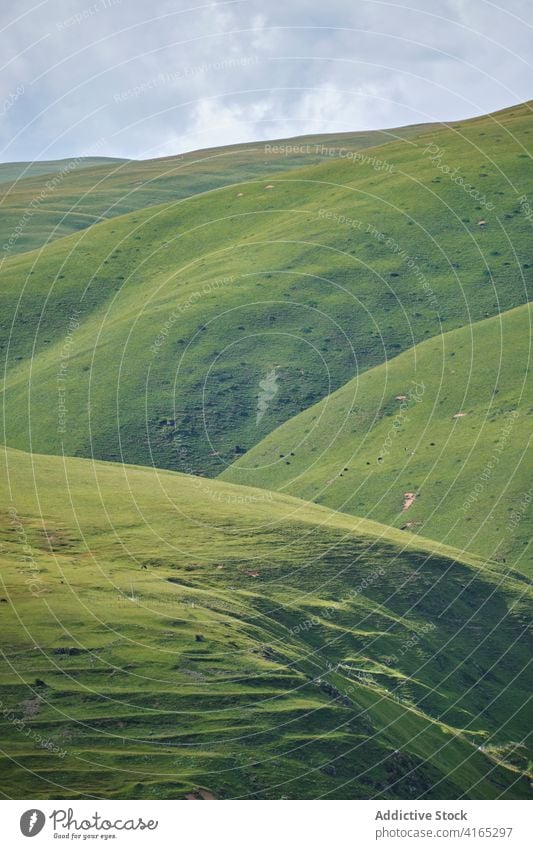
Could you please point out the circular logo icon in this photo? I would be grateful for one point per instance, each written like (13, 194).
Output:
(32, 822)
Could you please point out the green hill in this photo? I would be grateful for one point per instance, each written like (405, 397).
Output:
(14, 172)
(449, 421)
(151, 337)
(45, 201)
(164, 635)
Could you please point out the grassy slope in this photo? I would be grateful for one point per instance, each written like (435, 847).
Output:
(312, 297)
(408, 683)
(14, 172)
(363, 447)
(81, 196)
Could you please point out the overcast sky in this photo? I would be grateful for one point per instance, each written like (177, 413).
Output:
(141, 79)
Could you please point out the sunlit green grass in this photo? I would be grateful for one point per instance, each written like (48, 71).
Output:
(449, 420)
(166, 632)
(71, 194)
(268, 648)
(183, 309)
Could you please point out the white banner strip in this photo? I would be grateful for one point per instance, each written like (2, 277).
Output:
(267, 825)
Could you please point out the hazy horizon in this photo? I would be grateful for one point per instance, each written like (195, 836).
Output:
(118, 157)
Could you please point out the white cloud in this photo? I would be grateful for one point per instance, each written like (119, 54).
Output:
(310, 67)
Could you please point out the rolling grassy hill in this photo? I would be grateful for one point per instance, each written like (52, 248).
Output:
(14, 172)
(48, 200)
(165, 635)
(150, 338)
(450, 421)
(341, 319)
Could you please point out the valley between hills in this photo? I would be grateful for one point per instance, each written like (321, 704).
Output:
(266, 470)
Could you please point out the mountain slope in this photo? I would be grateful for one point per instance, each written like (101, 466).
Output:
(183, 334)
(449, 421)
(14, 172)
(165, 635)
(40, 208)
